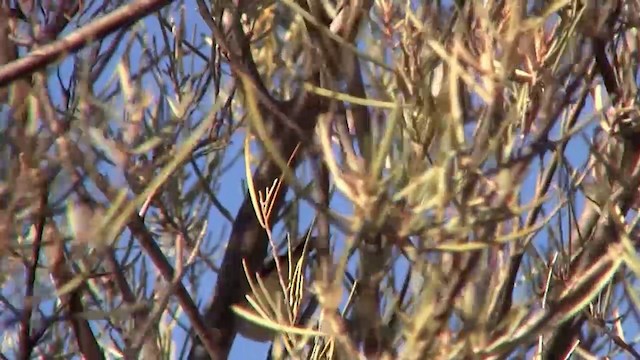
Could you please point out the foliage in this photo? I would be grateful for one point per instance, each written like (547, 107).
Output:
(455, 179)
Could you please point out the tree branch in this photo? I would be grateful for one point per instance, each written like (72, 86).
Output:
(61, 274)
(25, 323)
(121, 18)
(248, 241)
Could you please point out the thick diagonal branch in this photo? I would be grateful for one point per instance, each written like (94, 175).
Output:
(120, 18)
(248, 239)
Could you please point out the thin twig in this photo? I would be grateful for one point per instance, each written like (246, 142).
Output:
(25, 323)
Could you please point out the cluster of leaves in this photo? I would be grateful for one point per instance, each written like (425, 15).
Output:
(465, 176)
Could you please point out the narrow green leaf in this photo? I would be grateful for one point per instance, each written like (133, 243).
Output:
(385, 145)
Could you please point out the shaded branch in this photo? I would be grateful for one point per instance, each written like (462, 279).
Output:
(248, 240)
(62, 274)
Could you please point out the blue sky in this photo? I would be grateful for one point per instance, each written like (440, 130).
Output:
(231, 192)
